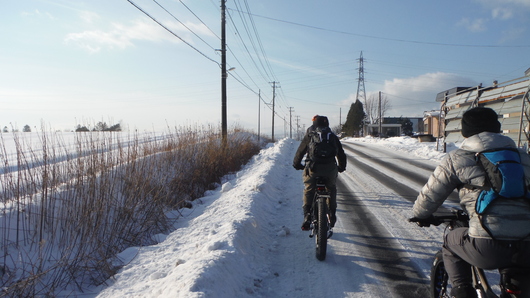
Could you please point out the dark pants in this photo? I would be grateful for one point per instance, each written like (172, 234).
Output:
(327, 170)
(460, 250)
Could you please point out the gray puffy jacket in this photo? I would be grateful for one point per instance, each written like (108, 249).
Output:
(506, 219)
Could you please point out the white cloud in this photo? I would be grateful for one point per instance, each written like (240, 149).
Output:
(412, 96)
(38, 13)
(122, 36)
(502, 13)
(88, 16)
(506, 9)
(473, 25)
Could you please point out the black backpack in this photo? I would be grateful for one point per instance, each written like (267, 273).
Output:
(321, 145)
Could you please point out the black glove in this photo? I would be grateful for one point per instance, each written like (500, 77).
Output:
(342, 169)
(298, 166)
(426, 222)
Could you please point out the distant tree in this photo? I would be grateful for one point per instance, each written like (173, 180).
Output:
(115, 127)
(372, 106)
(5, 129)
(101, 126)
(26, 128)
(354, 120)
(81, 128)
(407, 127)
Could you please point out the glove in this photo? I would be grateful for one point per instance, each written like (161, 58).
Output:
(342, 169)
(425, 222)
(298, 166)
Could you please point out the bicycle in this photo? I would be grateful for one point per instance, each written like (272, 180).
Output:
(439, 279)
(321, 218)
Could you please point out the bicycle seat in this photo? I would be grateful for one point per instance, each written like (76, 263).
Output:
(321, 180)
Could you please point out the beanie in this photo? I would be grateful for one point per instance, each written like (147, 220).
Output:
(480, 119)
(321, 121)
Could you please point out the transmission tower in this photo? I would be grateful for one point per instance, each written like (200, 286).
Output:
(361, 92)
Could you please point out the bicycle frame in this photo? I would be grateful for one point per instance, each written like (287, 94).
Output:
(439, 281)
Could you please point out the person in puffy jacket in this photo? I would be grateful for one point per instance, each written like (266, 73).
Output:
(509, 219)
(328, 169)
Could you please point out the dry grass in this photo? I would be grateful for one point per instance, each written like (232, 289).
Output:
(66, 212)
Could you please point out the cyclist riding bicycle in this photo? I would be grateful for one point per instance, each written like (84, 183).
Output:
(325, 167)
(508, 220)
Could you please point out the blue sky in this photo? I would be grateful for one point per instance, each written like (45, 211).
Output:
(65, 63)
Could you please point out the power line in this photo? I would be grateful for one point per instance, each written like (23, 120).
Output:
(390, 39)
(199, 19)
(173, 33)
(183, 24)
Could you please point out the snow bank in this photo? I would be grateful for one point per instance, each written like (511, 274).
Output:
(223, 249)
(427, 150)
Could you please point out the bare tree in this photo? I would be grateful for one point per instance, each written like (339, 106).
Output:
(371, 107)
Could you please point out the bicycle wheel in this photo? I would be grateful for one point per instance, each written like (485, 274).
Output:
(438, 278)
(321, 229)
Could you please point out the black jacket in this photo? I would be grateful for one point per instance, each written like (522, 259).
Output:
(302, 150)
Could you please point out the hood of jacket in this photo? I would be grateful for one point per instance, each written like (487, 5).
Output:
(485, 141)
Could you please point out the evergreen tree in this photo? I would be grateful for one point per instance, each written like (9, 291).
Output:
(354, 120)
(81, 128)
(26, 128)
(407, 126)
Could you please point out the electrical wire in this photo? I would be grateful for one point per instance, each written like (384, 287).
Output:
(173, 33)
(193, 13)
(390, 39)
(183, 24)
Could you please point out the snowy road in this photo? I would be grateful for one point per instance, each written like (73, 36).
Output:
(374, 252)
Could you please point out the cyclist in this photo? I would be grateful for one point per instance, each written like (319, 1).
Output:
(510, 219)
(326, 168)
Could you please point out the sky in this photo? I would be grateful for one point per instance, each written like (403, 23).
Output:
(156, 65)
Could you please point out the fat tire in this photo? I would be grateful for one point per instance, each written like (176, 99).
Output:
(439, 278)
(322, 229)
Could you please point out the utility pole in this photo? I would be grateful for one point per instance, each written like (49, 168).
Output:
(297, 127)
(273, 99)
(259, 114)
(291, 122)
(340, 118)
(380, 117)
(224, 74)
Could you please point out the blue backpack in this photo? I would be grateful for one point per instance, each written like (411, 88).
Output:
(504, 177)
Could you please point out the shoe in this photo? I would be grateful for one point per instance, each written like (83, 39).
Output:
(464, 291)
(332, 220)
(306, 225)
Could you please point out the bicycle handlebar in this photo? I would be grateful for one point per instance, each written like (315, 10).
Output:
(442, 217)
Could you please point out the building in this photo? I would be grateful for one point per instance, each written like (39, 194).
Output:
(509, 99)
(433, 124)
(393, 127)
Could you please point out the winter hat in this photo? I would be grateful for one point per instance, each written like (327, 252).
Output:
(321, 121)
(480, 119)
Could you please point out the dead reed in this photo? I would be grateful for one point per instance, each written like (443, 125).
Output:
(67, 208)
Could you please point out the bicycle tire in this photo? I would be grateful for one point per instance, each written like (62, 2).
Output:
(439, 278)
(322, 229)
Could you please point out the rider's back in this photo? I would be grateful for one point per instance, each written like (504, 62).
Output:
(506, 219)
